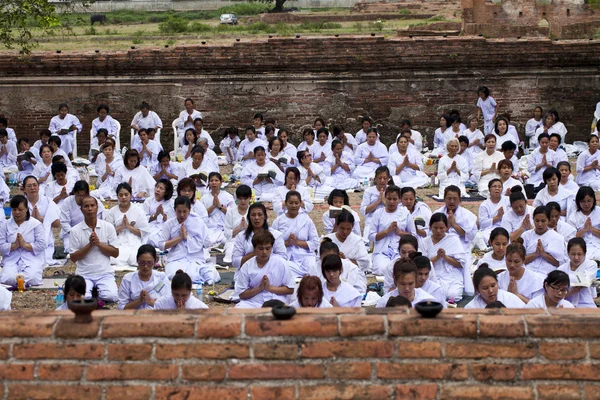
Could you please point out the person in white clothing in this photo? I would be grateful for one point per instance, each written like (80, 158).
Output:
(407, 247)
(43, 169)
(312, 176)
(202, 134)
(414, 137)
(235, 220)
(557, 224)
(262, 175)
(419, 212)
(70, 211)
(453, 169)
(104, 121)
(230, 144)
(373, 197)
(107, 172)
(198, 168)
(22, 244)
(137, 176)
(337, 292)
(406, 165)
(289, 148)
(554, 145)
(519, 217)
(140, 289)
(485, 164)
(508, 182)
(159, 208)
(245, 153)
(347, 139)
(426, 279)
(144, 119)
(545, 247)
(588, 165)
(338, 199)
(581, 271)
(361, 136)
(59, 188)
(148, 150)
(488, 292)
(518, 280)
(486, 107)
(73, 289)
(66, 126)
(405, 277)
(505, 132)
(351, 274)
(277, 155)
(338, 167)
(369, 156)
(187, 188)
(217, 202)
(292, 182)
(556, 193)
(496, 259)
(263, 277)
(533, 125)
(350, 244)
(586, 220)
(439, 139)
(566, 179)
(552, 125)
(474, 135)
(310, 293)
(321, 149)
(186, 118)
(556, 288)
(492, 210)
(8, 152)
(12, 136)
(55, 144)
(92, 245)
(210, 156)
(538, 161)
(181, 295)
(167, 169)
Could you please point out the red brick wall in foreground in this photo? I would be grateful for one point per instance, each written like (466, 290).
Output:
(323, 354)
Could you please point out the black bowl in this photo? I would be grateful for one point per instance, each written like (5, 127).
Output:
(83, 310)
(283, 312)
(428, 309)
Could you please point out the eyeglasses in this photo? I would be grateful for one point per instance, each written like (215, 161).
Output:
(146, 263)
(560, 291)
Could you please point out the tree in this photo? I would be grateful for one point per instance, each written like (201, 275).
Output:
(278, 4)
(19, 17)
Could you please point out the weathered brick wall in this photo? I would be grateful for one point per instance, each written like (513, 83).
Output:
(322, 354)
(296, 80)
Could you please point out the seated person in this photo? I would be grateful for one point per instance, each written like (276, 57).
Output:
(566, 179)
(582, 268)
(262, 175)
(338, 167)
(351, 274)
(74, 290)
(292, 182)
(310, 294)
(339, 294)
(545, 247)
(107, 172)
(70, 211)
(181, 295)
(405, 277)
(235, 220)
(518, 280)
(369, 156)
(217, 202)
(59, 188)
(26, 163)
(159, 208)
(338, 198)
(166, 169)
(350, 244)
(486, 287)
(138, 177)
(373, 198)
(519, 217)
(556, 288)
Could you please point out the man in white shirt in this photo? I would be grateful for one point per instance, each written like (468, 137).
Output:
(92, 246)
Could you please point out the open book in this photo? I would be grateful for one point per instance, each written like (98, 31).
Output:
(265, 174)
(419, 222)
(201, 176)
(582, 280)
(27, 155)
(335, 211)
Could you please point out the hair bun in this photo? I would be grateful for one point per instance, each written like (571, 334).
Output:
(483, 265)
(519, 240)
(516, 189)
(179, 271)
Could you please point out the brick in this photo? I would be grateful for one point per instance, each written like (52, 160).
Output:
(60, 372)
(276, 351)
(121, 372)
(222, 326)
(563, 351)
(587, 372)
(272, 393)
(592, 392)
(16, 372)
(505, 326)
(301, 325)
(276, 371)
(422, 371)
(494, 372)
(203, 372)
(452, 325)
(481, 350)
(4, 351)
(128, 392)
(202, 351)
(594, 350)
(35, 326)
(416, 392)
(129, 352)
(585, 326)
(349, 370)
(201, 392)
(559, 392)
(419, 349)
(362, 325)
(49, 391)
(170, 326)
(64, 351)
(343, 392)
(478, 392)
(68, 329)
(348, 349)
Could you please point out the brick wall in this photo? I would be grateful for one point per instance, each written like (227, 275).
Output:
(322, 354)
(296, 80)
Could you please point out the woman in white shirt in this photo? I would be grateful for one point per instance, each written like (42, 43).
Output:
(557, 224)
(486, 286)
(66, 126)
(137, 176)
(439, 140)
(556, 288)
(321, 148)
(287, 147)
(159, 208)
(369, 156)
(43, 170)
(492, 210)
(336, 291)
(350, 244)
(405, 277)
(190, 139)
(104, 121)
(495, 259)
(556, 193)
(217, 202)
(538, 161)
(453, 169)
(545, 247)
(519, 218)
(533, 125)
(181, 295)
(552, 125)
(312, 175)
(503, 134)
(262, 175)
(276, 154)
(406, 165)
(186, 118)
(485, 164)
(588, 165)
(235, 220)
(518, 280)
(292, 182)
(144, 119)
(310, 294)
(580, 269)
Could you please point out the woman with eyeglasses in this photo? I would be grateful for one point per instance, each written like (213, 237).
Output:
(139, 290)
(556, 288)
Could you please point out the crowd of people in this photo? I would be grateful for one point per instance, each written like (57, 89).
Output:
(538, 255)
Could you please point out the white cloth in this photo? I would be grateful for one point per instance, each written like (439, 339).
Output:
(182, 121)
(387, 246)
(508, 299)
(21, 261)
(168, 303)
(588, 178)
(263, 189)
(9, 160)
(95, 263)
(488, 210)
(495, 265)
(407, 176)
(229, 147)
(345, 295)
(564, 198)
(131, 286)
(473, 136)
(577, 219)
(354, 249)
(450, 277)
(246, 147)
(530, 285)
(243, 246)
(67, 140)
(540, 302)
(233, 218)
(149, 206)
(511, 221)
(128, 243)
(51, 212)
(107, 188)
(329, 223)
(71, 215)
(553, 244)
(351, 274)
(304, 229)
(148, 161)
(279, 197)
(558, 127)
(340, 178)
(5, 299)
(141, 180)
(109, 123)
(250, 275)
(420, 295)
(484, 161)
(535, 158)
(530, 131)
(367, 169)
(585, 297)
(488, 108)
(453, 178)
(566, 230)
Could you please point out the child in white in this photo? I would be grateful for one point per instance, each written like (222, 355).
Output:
(337, 292)
(579, 268)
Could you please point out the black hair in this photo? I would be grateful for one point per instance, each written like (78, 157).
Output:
(331, 262)
(269, 128)
(185, 140)
(124, 185)
(258, 115)
(549, 172)
(259, 148)
(28, 177)
(335, 142)
(197, 149)
(557, 277)
(556, 135)
(265, 226)
(565, 163)
(232, 130)
(308, 131)
(484, 90)
(103, 107)
(250, 128)
(408, 239)
(79, 186)
(328, 245)
(392, 189)
(452, 189)
(482, 271)
(541, 210)
(187, 183)
(463, 139)
(188, 99)
(407, 189)
(398, 301)
(183, 200)
(422, 262)
(508, 145)
(243, 191)
(455, 118)
(143, 104)
(270, 120)
(542, 136)
(3, 132)
(263, 237)
(495, 304)
(366, 118)
(381, 170)
(404, 267)
(499, 231)
(57, 159)
(496, 124)
(555, 113)
(56, 140)
(293, 170)
(4, 121)
(273, 140)
(22, 140)
(582, 193)
(63, 105)
(163, 154)
(58, 167)
(130, 154)
(337, 129)
(168, 188)
(446, 118)
(495, 180)
(291, 194)
(344, 216)
(217, 174)
(437, 217)
(338, 193)
(517, 247)
(146, 249)
(516, 194)
(102, 130)
(20, 199)
(577, 241)
(319, 119)
(552, 206)
(75, 282)
(181, 280)
(592, 137)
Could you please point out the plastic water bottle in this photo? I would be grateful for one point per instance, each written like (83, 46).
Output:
(365, 183)
(199, 291)
(60, 297)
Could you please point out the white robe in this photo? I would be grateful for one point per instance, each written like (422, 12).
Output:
(317, 188)
(386, 248)
(558, 127)
(329, 223)
(566, 230)
(71, 215)
(351, 274)
(421, 212)
(232, 145)
(340, 178)
(109, 123)
(150, 205)
(345, 295)
(472, 136)
(530, 131)
(484, 161)
(420, 295)
(67, 141)
(535, 158)
(51, 212)
(183, 124)
(263, 189)
(451, 278)
(530, 285)
(564, 198)
(304, 228)
(128, 243)
(495, 265)
(316, 149)
(488, 210)
(148, 161)
(168, 303)
(141, 180)
(173, 168)
(107, 188)
(279, 197)
(21, 261)
(243, 246)
(585, 297)
(468, 222)
(233, 218)
(131, 286)
(367, 170)
(9, 160)
(408, 176)
(553, 243)
(53, 189)
(453, 178)
(354, 249)
(589, 178)
(509, 184)
(577, 219)
(540, 302)
(370, 196)
(216, 219)
(250, 275)
(511, 221)
(246, 147)
(508, 299)
(571, 185)
(152, 120)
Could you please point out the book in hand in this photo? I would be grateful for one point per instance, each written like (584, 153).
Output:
(335, 211)
(27, 155)
(419, 223)
(579, 279)
(201, 176)
(63, 131)
(94, 152)
(266, 174)
(280, 160)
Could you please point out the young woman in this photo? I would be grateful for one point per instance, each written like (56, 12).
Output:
(186, 237)
(566, 179)
(43, 170)
(407, 249)
(309, 142)
(486, 286)
(339, 293)
(197, 166)
(159, 208)
(518, 280)
(492, 210)
(131, 224)
(557, 224)
(426, 280)
(373, 197)
(167, 169)
(230, 144)
(262, 175)
(22, 244)
(138, 177)
(292, 182)
(276, 154)
(351, 274)
(148, 150)
(245, 153)
(144, 119)
(552, 125)
(312, 176)
(350, 244)
(474, 135)
(453, 169)
(339, 198)
(554, 192)
(361, 136)
(187, 188)
(495, 259)
(446, 253)
(235, 219)
(538, 161)
(485, 164)
(579, 268)
(287, 147)
(554, 145)
(439, 140)
(59, 187)
(486, 108)
(503, 134)
(320, 149)
(556, 288)
(405, 277)
(217, 202)
(70, 211)
(139, 290)
(103, 121)
(347, 139)
(263, 277)
(107, 172)
(519, 218)
(181, 295)
(532, 126)
(66, 126)
(74, 290)
(419, 212)
(310, 294)
(190, 140)
(338, 168)
(386, 227)
(369, 156)
(508, 182)
(545, 249)
(45, 211)
(586, 220)
(299, 233)
(588, 165)
(407, 166)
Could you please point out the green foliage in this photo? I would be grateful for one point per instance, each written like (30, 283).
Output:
(378, 25)
(243, 9)
(436, 18)
(91, 31)
(358, 27)
(597, 35)
(403, 11)
(138, 36)
(261, 27)
(174, 24)
(318, 26)
(200, 27)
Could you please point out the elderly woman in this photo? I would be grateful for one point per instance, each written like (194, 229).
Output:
(485, 165)
(453, 169)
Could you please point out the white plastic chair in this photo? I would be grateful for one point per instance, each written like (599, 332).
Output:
(117, 138)
(175, 126)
